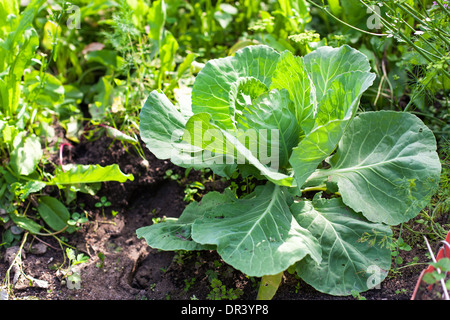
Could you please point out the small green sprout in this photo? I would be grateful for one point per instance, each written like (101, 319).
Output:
(77, 219)
(103, 204)
(73, 277)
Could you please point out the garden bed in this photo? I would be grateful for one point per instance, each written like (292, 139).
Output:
(361, 103)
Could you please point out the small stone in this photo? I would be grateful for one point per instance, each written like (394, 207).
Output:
(16, 230)
(38, 248)
(11, 252)
(4, 294)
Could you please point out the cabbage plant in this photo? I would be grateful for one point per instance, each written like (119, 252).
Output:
(332, 180)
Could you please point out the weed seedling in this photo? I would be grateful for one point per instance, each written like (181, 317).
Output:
(188, 284)
(220, 292)
(357, 295)
(77, 219)
(71, 274)
(102, 204)
(397, 246)
(100, 264)
(191, 190)
(169, 174)
(440, 272)
(442, 267)
(401, 291)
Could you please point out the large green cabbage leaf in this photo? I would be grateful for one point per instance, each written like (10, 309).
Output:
(356, 253)
(258, 234)
(389, 160)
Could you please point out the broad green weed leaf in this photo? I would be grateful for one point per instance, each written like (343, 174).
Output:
(257, 234)
(168, 51)
(70, 254)
(18, 43)
(26, 20)
(26, 154)
(386, 166)
(225, 15)
(223, 18)
(80, 174)
(45, 91)
(108, 58)
(53, 212)
(25, 189)
(7, 7)
(51, 31)
(27, 51)
(356, 253)
(103, 99)
(156, 20)
(354, 13)
(335, 7)
(119, 135)
(26, 223)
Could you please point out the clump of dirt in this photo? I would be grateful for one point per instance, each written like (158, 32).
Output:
(122, 267)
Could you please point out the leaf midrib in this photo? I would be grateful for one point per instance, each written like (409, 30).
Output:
(257, 222)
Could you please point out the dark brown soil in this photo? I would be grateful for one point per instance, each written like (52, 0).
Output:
(130, 269)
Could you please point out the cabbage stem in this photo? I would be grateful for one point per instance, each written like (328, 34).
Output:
(269, 286)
